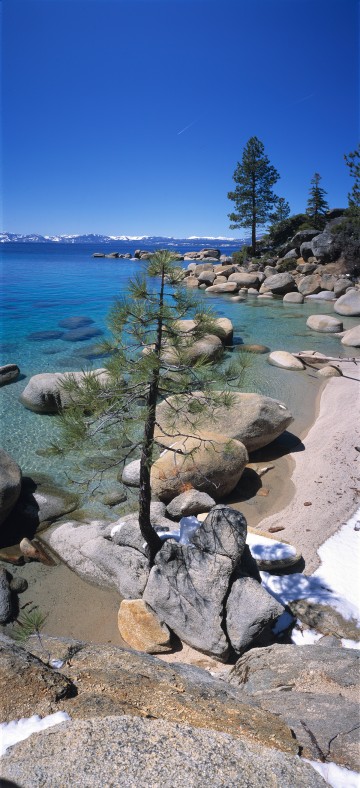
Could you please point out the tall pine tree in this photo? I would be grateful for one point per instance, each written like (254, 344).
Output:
(253, 196)
(317, 205)
(149, 363)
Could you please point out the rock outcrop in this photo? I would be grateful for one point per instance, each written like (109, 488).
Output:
(209, 462)
(253, 419)
(313, 689)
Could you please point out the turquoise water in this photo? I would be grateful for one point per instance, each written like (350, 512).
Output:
(45, 283)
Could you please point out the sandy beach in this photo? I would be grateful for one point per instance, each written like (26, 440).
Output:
(325, 478)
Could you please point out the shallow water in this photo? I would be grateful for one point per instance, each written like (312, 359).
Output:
(45, 283)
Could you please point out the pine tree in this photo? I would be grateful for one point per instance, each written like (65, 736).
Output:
(282, 211)
(353, 162)
(253, 196)
(317, 205)
(149, 362)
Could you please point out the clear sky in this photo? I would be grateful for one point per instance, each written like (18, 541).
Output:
(129, 116)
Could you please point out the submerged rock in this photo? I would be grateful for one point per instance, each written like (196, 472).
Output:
(8, 373)
(44, 393)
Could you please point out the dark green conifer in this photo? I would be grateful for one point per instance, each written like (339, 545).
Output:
(317, 205)
(253, 196)
(149, 362)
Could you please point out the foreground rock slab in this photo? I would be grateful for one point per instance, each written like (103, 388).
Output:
(136, 753)
(27, 685)
(314, 690)
(114, 681)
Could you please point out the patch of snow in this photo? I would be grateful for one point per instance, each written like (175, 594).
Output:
(266, 549)
(335, 583)
(350, 643)
(56, 663)
(18, 730)
(336, 776)
(340, 561)
(283, 623)
(116, 528)
(305, 637)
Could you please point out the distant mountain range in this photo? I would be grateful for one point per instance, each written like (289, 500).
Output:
(92, 238)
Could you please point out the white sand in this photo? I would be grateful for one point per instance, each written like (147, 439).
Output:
(326, 472)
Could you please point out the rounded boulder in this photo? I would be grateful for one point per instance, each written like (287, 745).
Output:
(285, 360)
(349, 303)
(253, 419)
(326, 324)
(351, 337)
(208, 461)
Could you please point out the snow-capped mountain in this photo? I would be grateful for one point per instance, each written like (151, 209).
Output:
(94, 238)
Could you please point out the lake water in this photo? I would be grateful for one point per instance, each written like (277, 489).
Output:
(45, 283)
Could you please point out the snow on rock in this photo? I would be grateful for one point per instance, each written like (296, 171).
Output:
(264, 549)
(336, 776)
(334, 583)
(18, 730)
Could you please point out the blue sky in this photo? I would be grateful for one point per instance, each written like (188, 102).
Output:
(129, 116)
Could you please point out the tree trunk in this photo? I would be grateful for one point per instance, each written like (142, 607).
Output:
(148, 532)
(253, 221)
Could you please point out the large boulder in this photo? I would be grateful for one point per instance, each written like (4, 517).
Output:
(324, 323)
(40, 502)
(278, 284)
(126, 751)
(10, 484)
(253, 419)
(313, 689)
(44, 393)
(140, 627)
(245, 279)
(223, 533)
(189, 503)
(186, 588)
(188, 583)
(351, 337)
(224, 287)
(285, 360)
(303, 235)
(207, 277)
(325, 247)
(309, 285)
(341, 286)
(28, 686)
(349, 303)
(251, 613)
(8, 373)
(88, 550)
(131, 474)
(126, 569)
(293, 298)
(208, 461)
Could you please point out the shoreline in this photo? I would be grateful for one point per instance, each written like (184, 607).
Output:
(78, 609)
(327, 497)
